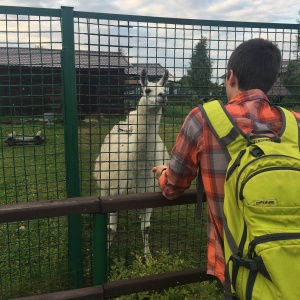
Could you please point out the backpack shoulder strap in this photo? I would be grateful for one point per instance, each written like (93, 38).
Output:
(290, 131)
(225, 131)
(223, 127)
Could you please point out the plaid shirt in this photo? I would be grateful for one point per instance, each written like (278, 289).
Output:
(196, 145)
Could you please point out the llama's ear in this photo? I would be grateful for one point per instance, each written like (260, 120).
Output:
(164, 80)
(144, 77)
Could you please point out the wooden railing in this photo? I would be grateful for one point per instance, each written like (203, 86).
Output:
(104, 205)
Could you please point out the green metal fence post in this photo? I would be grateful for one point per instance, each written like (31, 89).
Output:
(71, 142)
(100, 264)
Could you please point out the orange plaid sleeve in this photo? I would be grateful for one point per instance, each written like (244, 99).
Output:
(183, 166)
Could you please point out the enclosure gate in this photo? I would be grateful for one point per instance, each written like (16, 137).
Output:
(69, 77)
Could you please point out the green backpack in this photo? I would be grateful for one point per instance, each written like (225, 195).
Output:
(261, 208)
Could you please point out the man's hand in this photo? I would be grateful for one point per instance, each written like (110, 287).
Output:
(158, 170)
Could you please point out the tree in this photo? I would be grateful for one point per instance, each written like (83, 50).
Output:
(291, 78)
(298, 39)
(200, 69)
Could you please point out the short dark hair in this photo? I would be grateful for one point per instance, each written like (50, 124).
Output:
(256, 64)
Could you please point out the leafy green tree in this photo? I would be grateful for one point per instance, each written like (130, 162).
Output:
(200, 70)
(184, 87)
(298, 39)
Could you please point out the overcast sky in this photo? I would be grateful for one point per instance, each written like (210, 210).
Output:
(274, 11)
(266, 11)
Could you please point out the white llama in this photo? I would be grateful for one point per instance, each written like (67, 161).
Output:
(131, 149)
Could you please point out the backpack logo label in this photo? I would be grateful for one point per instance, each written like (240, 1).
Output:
(265, 202)
(255, 141)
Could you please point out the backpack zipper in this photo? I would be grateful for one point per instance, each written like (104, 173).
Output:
(243, 183)
(246, 165)
(269, 238)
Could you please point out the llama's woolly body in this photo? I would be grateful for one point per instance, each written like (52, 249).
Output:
(129, 152)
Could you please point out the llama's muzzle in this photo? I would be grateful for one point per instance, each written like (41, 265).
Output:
(162, 98)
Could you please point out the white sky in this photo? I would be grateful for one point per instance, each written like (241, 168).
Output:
(278, 11)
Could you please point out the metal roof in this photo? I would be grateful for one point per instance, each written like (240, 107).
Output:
(278, 90)
(155, 70)
(41, 57)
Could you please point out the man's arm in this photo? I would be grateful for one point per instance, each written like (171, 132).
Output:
(175, 178)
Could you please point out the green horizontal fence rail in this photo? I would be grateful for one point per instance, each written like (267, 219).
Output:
(66, 79)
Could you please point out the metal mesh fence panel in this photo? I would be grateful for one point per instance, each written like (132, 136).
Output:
(33, 254)
(110, 52)
(119, 50)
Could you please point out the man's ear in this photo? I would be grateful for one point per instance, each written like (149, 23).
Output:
(232, 79)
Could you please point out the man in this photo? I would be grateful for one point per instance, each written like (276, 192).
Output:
(251, 72)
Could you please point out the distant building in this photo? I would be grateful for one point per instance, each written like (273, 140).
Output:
(278, 91)
(31, 81)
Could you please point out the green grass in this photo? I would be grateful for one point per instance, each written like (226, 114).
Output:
(163, 261)
(34, 254)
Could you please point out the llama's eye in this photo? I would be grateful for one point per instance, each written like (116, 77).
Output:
(147, 91)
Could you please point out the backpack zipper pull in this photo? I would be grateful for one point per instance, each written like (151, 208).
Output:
(241, 190)
(235, 164)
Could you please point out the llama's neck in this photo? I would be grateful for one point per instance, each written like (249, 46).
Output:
(147, 124)
(145, 133)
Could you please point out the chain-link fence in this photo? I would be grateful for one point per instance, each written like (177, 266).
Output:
(67, 79)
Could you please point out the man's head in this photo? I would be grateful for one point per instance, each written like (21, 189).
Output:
(254, 64)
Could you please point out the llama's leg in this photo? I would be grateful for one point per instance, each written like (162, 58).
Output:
(145, 227)
(112, 226)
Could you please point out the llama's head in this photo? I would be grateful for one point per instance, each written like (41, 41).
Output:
(154, 93)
